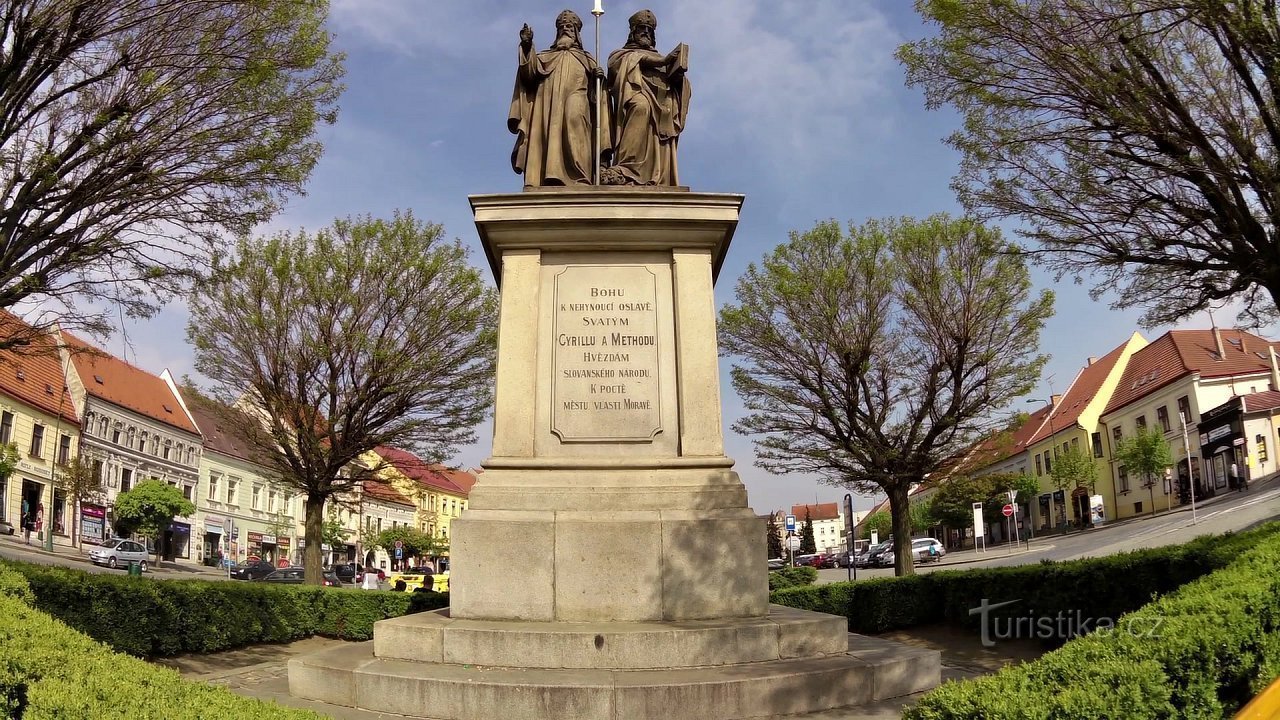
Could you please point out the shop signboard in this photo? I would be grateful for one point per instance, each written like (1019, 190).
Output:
(92, 523)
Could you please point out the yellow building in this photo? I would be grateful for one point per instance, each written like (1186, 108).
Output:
(1075, 423)
(440, 493)
(37, 416)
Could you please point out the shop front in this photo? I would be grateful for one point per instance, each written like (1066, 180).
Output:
(177, 541)
(267, 546)
(211, 545)
(1222, 443)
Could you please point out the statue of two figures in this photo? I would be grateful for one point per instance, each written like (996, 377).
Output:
(555, 105)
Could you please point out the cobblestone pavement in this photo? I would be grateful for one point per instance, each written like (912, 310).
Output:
(261, 671)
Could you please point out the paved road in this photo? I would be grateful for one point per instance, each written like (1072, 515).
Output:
(1232, 512)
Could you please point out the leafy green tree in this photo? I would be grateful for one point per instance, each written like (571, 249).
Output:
(922, 517)
(1145, 455)
(81, 479)
(880, 522)
(1135, 138)
(871, 358)
(808, 545)
(1075, 469)
(773, 532)
(149, 507)
(333, 533)
(416, 543)
(137, 136)
(953, 500)
(368, 333)
(9, 457)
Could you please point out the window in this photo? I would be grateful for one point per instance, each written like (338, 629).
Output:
(1162, 417)
(97, 471)
(1140, 423)
(213, 485)
(59, 512)
(1116, 435)
(115, 435)
(1075, 443)
(37, 440)
(142, 441)
(257, 497)
(1124, 479)
(189, 452)
(6, 428)
(1048, 464)
(1184, 409)
(232, 484)
(64, 449)
(168, 448)
(271, 501)
(1039, 470)
(126, 479)
(1065, 448)
(187, 491)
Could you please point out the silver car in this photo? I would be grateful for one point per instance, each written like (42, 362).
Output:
(118, 552)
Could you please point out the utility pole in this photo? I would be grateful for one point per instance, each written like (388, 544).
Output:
(1191, 478)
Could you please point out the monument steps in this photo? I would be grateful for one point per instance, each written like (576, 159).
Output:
(870, 670)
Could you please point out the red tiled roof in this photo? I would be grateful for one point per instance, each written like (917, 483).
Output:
(1265, 400)
(221, 428)
(379, 490)
(34, 376)
(1179, 353)
(463, 479)
(999, 445)
(127, 386)
(819, 511)
(1082, 391)
(419, 470)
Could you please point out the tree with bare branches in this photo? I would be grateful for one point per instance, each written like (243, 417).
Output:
(872, 358)
(1137, 139)
(137, 134)
(367, 333)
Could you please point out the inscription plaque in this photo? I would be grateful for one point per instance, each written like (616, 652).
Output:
(605, 383)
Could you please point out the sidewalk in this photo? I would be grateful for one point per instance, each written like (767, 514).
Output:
(962, 557)
(81, 556)
(261, 671)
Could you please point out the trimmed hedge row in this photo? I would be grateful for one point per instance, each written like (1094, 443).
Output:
(48, 670)
(792, 577)
(158, 618)
(1200, 652)
(1096, 587)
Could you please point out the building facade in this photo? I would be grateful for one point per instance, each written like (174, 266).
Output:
(134, 427)
(383, 507)
(38, 417)
(242, 510)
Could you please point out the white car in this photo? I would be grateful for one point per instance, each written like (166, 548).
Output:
(118, 552)
(921, 549)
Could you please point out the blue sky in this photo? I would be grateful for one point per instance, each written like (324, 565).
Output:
(798, 104)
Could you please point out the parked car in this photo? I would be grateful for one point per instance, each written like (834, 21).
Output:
(877, 556)
(846, 559)
(777, 563)
(920, 547)
(255, 570)
(118, 552)
(354, 572)
(297, 576)
(6, 528)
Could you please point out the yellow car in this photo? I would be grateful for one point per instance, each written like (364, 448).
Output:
(414, 579)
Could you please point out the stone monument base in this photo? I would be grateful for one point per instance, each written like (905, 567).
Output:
(788, 662)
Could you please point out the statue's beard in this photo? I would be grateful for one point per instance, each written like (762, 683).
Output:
(564, 42)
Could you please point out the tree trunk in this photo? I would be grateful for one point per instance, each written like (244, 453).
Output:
(900, 510)
(313, 531)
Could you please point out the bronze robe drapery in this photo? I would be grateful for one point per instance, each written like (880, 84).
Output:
(650, 105)
(551, 114)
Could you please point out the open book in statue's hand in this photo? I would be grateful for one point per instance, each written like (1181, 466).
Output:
(677, 61)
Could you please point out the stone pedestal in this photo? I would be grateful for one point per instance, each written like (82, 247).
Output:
(608, 565)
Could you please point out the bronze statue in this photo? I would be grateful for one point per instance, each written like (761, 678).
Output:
(650, 99)
(553, 108)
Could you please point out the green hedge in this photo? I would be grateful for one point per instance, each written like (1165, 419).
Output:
(49, 671)
(1200, 652)
(159, 618)
(792, 577)
(1098, 587)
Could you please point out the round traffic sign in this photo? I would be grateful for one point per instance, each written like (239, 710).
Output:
(399, 544)
(1008, 510)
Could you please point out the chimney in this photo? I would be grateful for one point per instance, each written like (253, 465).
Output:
(1242, 335)
(1217, 339)
(1092, 360)
(1275, 371)
(1054, 400)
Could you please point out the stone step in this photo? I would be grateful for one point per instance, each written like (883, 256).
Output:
(871, 670)
(438, 638)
